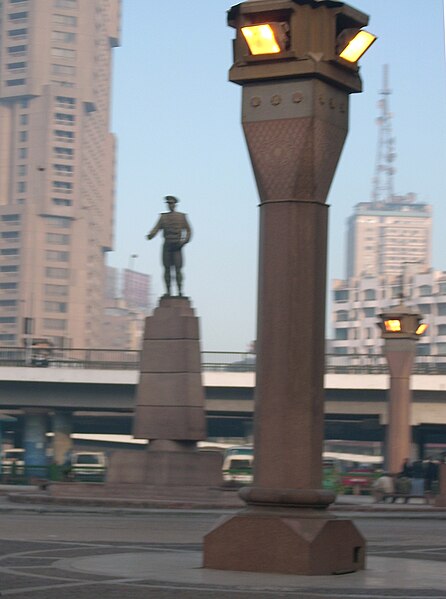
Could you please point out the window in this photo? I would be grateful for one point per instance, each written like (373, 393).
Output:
(62, 69)
(55, 307)
(63, 168)
(67, 37)
(58, 238)
(23, 119)
(54, 323)
(9, 268)
(59, 221)
(12, 66)
(63, 53)
(441, 348)
(10, 234)
(441, 309)
(62, 202)
(56, 290)
(23, 135)
(62, 185)
(9, 252)
(21, 170)
(341, 295)
(442, 287)
(341, 334)
(369, 312)
(8, 303)
(425, 290)
(11, 217)
(18, 16)
(423, 349)
(17, 32)
(23, 103)
(65, 101)
(442, 329)
(13, 82)
(21, 187)
(64, 134)
(61, 117)
(17, 49)
(57, 273)
(23, 152)
(341, 316)
(65, 152)
(16, 1)
(65, 20)
(7, 320)
(6, 337)
(9, 286)
(424, 308)
(56, 256)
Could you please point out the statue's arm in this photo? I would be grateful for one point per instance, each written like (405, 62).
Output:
(187, 231)
(155, 229)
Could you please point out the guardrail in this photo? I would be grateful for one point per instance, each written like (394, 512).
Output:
(211, 361)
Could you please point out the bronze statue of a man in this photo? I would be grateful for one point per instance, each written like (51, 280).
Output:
(177, 232)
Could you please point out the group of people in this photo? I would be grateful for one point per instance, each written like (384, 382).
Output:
(415, 478)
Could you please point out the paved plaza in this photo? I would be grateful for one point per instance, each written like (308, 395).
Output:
(49, 552)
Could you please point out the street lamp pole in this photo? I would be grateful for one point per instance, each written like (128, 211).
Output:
(401, 328)
(295, 120)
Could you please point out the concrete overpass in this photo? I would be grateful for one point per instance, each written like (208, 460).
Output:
(102, 401)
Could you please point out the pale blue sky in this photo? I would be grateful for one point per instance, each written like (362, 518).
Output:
(177, 121)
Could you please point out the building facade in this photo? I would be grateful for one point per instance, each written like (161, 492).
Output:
(383, 236)
(358, 301)
(127, 303)
(57, 160)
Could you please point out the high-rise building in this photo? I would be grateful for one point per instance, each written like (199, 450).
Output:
(388, 257)
(56, 167)
(383, 236)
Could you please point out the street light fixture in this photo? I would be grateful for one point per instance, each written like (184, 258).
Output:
(355, 43)
(401, 327)
(295, 120)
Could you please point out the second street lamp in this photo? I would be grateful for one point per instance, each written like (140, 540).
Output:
(401, 328)
(295, 119)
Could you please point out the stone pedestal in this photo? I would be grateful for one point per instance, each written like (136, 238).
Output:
(170, 398)
(169, 408)
(286, 532)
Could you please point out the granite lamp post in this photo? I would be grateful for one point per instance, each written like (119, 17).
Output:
(295, 119)
(401, 328)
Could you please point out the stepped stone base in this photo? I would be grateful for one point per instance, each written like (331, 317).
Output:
(285, 531)
(165, 468)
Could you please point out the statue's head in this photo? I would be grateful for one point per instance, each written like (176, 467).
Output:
(171, 201)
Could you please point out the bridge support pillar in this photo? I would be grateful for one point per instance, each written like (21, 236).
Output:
(35, 441)
(62, 427)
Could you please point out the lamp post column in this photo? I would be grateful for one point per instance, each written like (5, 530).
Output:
(400, 354)
(295, 120)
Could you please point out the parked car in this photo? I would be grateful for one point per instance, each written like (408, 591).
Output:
(13, 461)
(88, 466)
(237, 469)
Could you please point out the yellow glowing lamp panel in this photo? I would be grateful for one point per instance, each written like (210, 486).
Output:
(261, 39)
(421, 328)
(357, 46)
(392, 326)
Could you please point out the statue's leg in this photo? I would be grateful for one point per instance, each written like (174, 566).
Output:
(178, 263)
(167, 265)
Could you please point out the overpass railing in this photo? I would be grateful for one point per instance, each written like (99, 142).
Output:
(211, 361)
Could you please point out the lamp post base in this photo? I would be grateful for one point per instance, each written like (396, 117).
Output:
(285, 532)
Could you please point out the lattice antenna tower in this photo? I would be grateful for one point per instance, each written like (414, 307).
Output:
(383, 180)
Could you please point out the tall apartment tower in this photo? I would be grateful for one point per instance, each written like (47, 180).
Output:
(390, 230)
(56, 167)
(383, 236)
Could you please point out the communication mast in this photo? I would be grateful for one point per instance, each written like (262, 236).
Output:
(383, 180)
